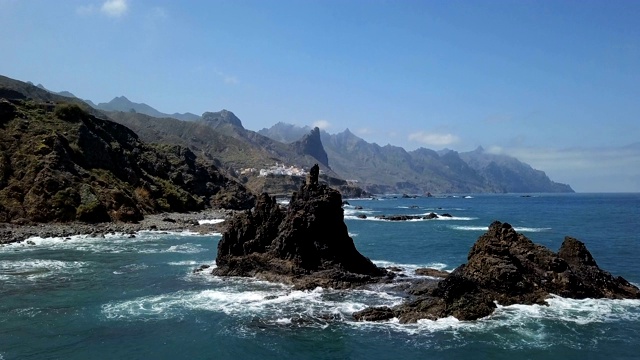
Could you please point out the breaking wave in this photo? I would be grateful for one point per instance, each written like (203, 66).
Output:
(485, 228)
(33, 269)
(143, 241)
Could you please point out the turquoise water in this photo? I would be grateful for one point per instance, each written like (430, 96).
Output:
(137, 298)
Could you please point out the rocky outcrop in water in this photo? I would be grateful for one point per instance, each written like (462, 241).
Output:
(507, 268)
(306, 244)
(429, 216)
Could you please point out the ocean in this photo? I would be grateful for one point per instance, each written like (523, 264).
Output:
(137, 298)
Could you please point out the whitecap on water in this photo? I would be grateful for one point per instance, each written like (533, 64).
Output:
(32, 269)
(143, 242)
(352, 216)
(183, 263)
(409, 270)
(210, 221)
(180, 248)
(485, 228)
(525, 323)
(354, 212)
(272, 303)
(452, 218)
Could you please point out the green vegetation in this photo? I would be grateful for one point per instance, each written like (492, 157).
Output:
(61, 163)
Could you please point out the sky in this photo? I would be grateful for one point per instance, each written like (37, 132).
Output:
(554, 83)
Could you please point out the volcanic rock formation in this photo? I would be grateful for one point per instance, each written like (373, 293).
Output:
(506, 267)
(307, 245)
(311, 144)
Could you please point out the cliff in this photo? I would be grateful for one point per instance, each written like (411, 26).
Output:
(311, 145)
(60, 163)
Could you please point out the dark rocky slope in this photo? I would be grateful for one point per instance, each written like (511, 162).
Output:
(306, 245)
(60, 163)
(508, 268)
(214, 138)
(311, 145)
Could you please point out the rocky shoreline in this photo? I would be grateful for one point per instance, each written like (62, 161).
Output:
(307, 245)
(10, 233)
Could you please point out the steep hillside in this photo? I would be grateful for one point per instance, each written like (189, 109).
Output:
(384, 169)
(225, 142)
(311, 144)
(304, 155)
(60, 163)
(392, 169)
(510, 174)
(221, 138)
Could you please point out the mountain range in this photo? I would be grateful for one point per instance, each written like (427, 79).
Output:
(389, 168)
(121, 103)
(220, 137)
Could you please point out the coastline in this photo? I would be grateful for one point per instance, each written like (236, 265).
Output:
(10, 233)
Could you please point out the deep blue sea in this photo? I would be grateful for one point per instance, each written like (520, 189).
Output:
(121, 298)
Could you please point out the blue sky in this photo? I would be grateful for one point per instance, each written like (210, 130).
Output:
(554, 83)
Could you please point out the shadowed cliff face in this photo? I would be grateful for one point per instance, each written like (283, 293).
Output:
(59, 163)
(311, 145)
(508, 268)
(307, 244)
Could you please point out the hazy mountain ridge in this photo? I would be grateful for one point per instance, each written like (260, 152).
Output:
(393, 169)
(286, 133)
(121, 103)
(221, 137)
(510, 173)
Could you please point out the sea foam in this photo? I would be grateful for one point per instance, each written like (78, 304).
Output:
(210, 221)
(33, 269)
(485, 228)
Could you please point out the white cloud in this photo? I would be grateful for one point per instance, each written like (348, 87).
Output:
(433, 139)
(114, 8)
(364, 131)
(322, 124)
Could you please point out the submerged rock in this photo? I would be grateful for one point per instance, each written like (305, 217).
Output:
(307, 245)
(507, 268)
(431, 272)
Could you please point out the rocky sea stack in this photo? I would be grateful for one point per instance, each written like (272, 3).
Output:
(306, 245)
(507, 268)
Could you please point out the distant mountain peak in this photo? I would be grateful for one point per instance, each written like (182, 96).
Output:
(122, 103)
(222, 117)
(285, 132)
(311, 144)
